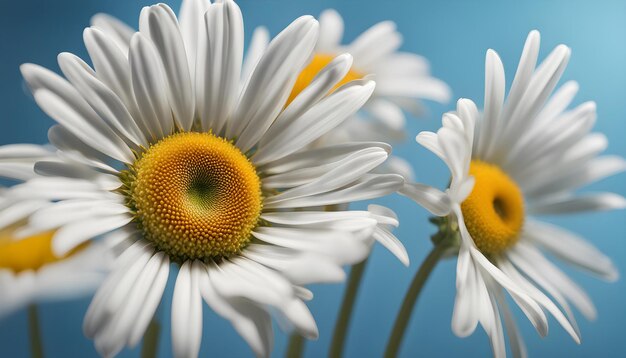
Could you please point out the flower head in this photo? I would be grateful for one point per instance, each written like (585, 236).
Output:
(522, 157)
(194, 158)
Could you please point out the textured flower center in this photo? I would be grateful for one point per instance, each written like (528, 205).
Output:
(494, 211)
(195, 196)
(28, 254)
(318, 62)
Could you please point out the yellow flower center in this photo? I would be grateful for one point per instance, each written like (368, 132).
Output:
(307, 75)
(28, 254)
(195, 196)
(494, 211)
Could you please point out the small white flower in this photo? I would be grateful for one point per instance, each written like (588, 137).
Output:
(167, 143)
(522, 157)
(402, 79)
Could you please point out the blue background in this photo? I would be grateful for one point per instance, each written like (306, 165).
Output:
(454, 36)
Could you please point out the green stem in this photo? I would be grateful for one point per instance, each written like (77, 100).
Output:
(343, 321)
(296, 346)
(404, 315)
(150, 345)
(35, 332)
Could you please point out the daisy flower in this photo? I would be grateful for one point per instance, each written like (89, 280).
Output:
(30, 272)
(162, 144)
(524, 156)
(402, 79)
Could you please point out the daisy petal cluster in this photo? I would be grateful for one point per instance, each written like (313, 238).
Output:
(30, 270)
(403, 80)
(194, 158)
(525, 155)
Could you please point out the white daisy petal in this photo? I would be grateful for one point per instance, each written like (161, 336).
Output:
(571, 248)
(164, 32)
(559, 101)
(578, 155)
(563, 133)
(55, 188)
(219, 64)
(115, 29)
(397, 165)
(306, 177)
(308, 218)
(129, 263)
(405, 64)
(191, 21)
(75, 171)
(122, 325)
(494, 99)
(67, 211)
(368, 187)
(331, 30)
(525, 69)
(17, 151)
(332, 177)
(583, 203)
(187, 311)
(319, 87)
(430, 141)
(74, 149)
(234, 280)
(150, 87)
(319, 156)
(258, 44)
(151, 302)
(252, 322)
(72, 235)
(470, 285)
(518, 348)
(388, 112)
(454, 145)
(111, 65)
(55, 283)
(432, 199)
(65, 105)
(372, 40)
(564, 284)
(537, 295)
(594, 170)
(299, 315)
(296, 265)
(426, 88)
(539, 88)
(103, 101)
(318, 120)
(345, 248)
(108, 321)
(385, 216)
(16, 160)
(389, 241)
(530, 308)
(264, 96)
(19, 211)
(493, 324)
